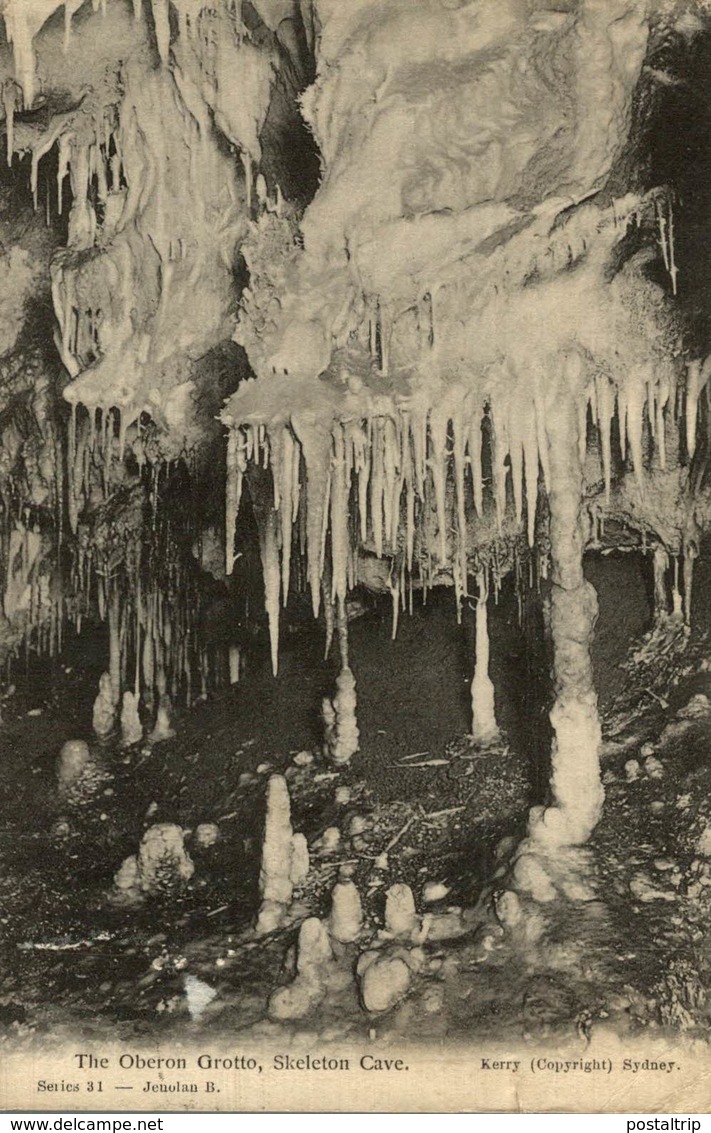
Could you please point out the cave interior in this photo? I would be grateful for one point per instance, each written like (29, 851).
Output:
(355, 516)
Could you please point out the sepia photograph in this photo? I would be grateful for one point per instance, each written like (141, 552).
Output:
(355, 556)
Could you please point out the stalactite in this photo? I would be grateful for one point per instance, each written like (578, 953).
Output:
(269, 552)
(161, 20)
(287, 508)
(474, 451)
(605, 412)
(530, 460)
(377, 485)
(539, 414)
(418, 431)
(236, 467)
(662, 400)
(19, 29)
(438, 467)
(316, 442)
(329, 615)
(339, 518)
(515, 458)
(634, 425)
(392, 482)
(499, 453)
(395, 600)
(673, 269)
(693, 389)
(459, 439)
(115, 645)
(485, 730)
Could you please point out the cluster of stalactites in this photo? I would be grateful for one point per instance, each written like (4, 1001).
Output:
(414, 485)
(137, 569)
(140, 579)
(377, 482)
(94, 442)
(642, 403)
(89, 153)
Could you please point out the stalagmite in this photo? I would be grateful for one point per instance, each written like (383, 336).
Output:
(163, 728)
(384, 979)
(300, 863)
(400, 914)
(346, 918)
(575, 784)
(314, 958)
(275, 882)
(104, 708)
(346, 737)
(328, 718)
(341, 735)
(234, 664)
(131, 727)
(163, 862)
(485, 730)
(73, 763)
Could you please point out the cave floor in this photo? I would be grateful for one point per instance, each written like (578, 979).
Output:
(635, 956)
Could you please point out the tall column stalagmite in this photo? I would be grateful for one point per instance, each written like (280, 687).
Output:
(575, 784)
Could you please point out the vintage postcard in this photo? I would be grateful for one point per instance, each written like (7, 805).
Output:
(355, 502)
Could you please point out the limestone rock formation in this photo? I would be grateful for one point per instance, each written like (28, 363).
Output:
(346, 917)
(163, 862)
(161, 868)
